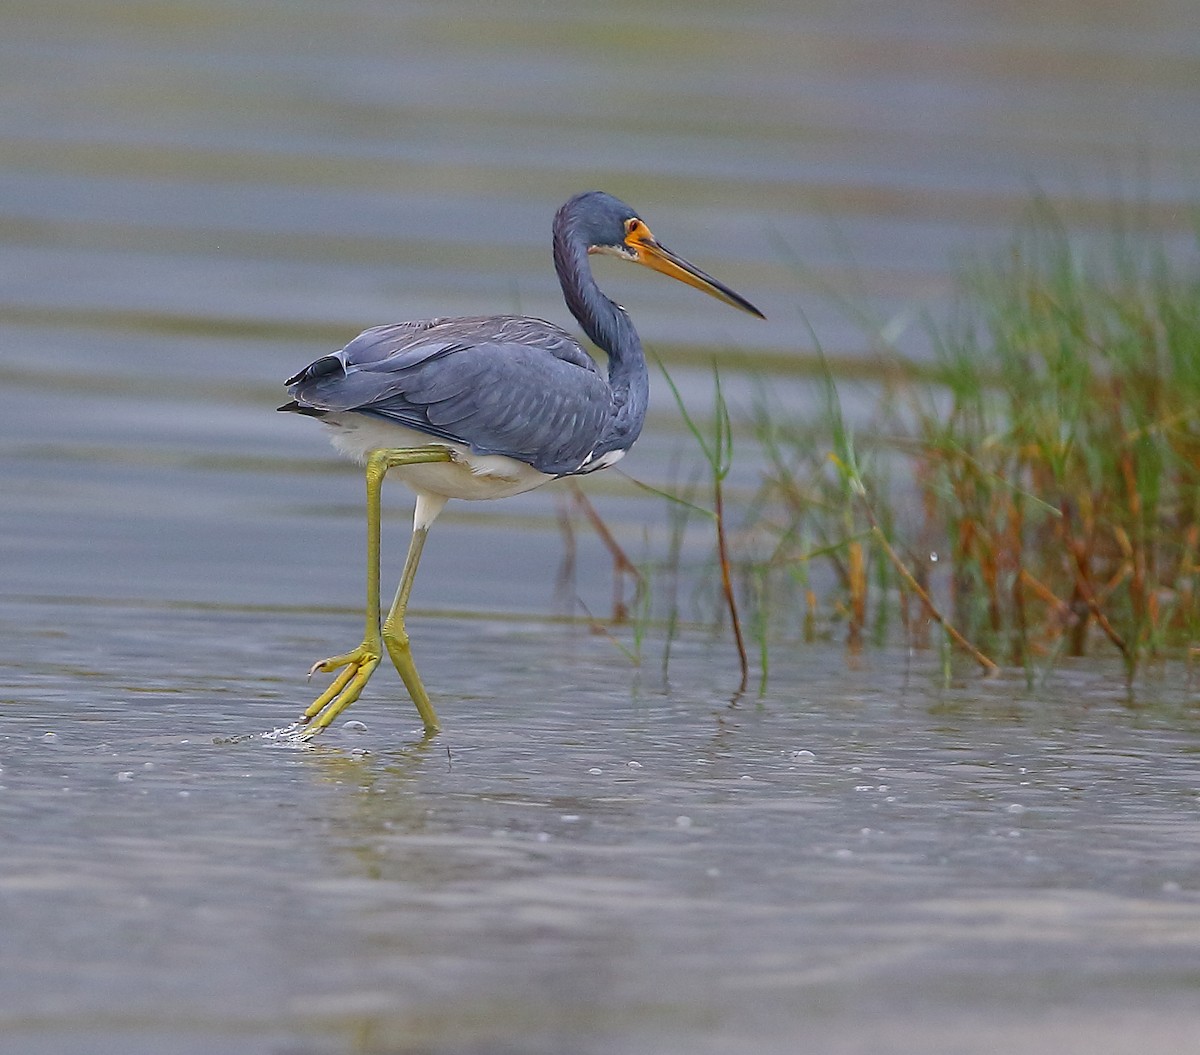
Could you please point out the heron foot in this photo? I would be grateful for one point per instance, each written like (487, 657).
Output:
(395, 639)
(356, 668)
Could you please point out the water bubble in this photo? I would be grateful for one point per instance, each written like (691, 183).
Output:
(49, 738)
(1016, 807)
(125, 775)
(803, 756)
(634, 765)
(147, 765)
(353, 725)
(595, 771)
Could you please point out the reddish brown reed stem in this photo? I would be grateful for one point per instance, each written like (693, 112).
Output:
(1083, 582)
(621, 563)
(902, 570)
(727, 584)
(857, 584)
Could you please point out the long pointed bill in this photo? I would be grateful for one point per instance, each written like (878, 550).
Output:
(646, 250)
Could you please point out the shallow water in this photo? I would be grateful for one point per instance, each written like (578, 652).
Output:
(587, 859)
(196, 198)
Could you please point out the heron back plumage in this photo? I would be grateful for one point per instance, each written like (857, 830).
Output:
(499, 385)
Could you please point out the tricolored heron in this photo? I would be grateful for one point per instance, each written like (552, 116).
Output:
(485, 407)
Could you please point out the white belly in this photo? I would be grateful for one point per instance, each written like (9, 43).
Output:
(475, 477)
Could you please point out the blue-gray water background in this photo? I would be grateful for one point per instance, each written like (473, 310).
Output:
(196, 198)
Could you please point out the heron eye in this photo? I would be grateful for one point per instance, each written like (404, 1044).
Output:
(633, 226)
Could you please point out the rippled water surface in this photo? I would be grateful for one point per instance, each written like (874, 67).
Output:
(197, 198)
(587, 859)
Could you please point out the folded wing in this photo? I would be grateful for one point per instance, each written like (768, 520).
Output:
(505, 385)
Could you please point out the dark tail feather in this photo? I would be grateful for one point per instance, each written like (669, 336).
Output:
(299, 408)
(323, 367)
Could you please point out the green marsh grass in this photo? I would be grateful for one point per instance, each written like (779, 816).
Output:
(1034, 493)
(1064, 462)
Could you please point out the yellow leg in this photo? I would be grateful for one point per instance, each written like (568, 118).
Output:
(395, 636)
(360, 663)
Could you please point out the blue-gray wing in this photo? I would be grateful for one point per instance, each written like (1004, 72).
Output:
(498, 384)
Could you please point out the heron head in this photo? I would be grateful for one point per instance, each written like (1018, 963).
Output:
(607, 225)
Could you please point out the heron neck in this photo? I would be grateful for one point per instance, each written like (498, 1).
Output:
(630, 385)
(610, 329)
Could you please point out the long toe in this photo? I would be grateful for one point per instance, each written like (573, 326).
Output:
(355, 668)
